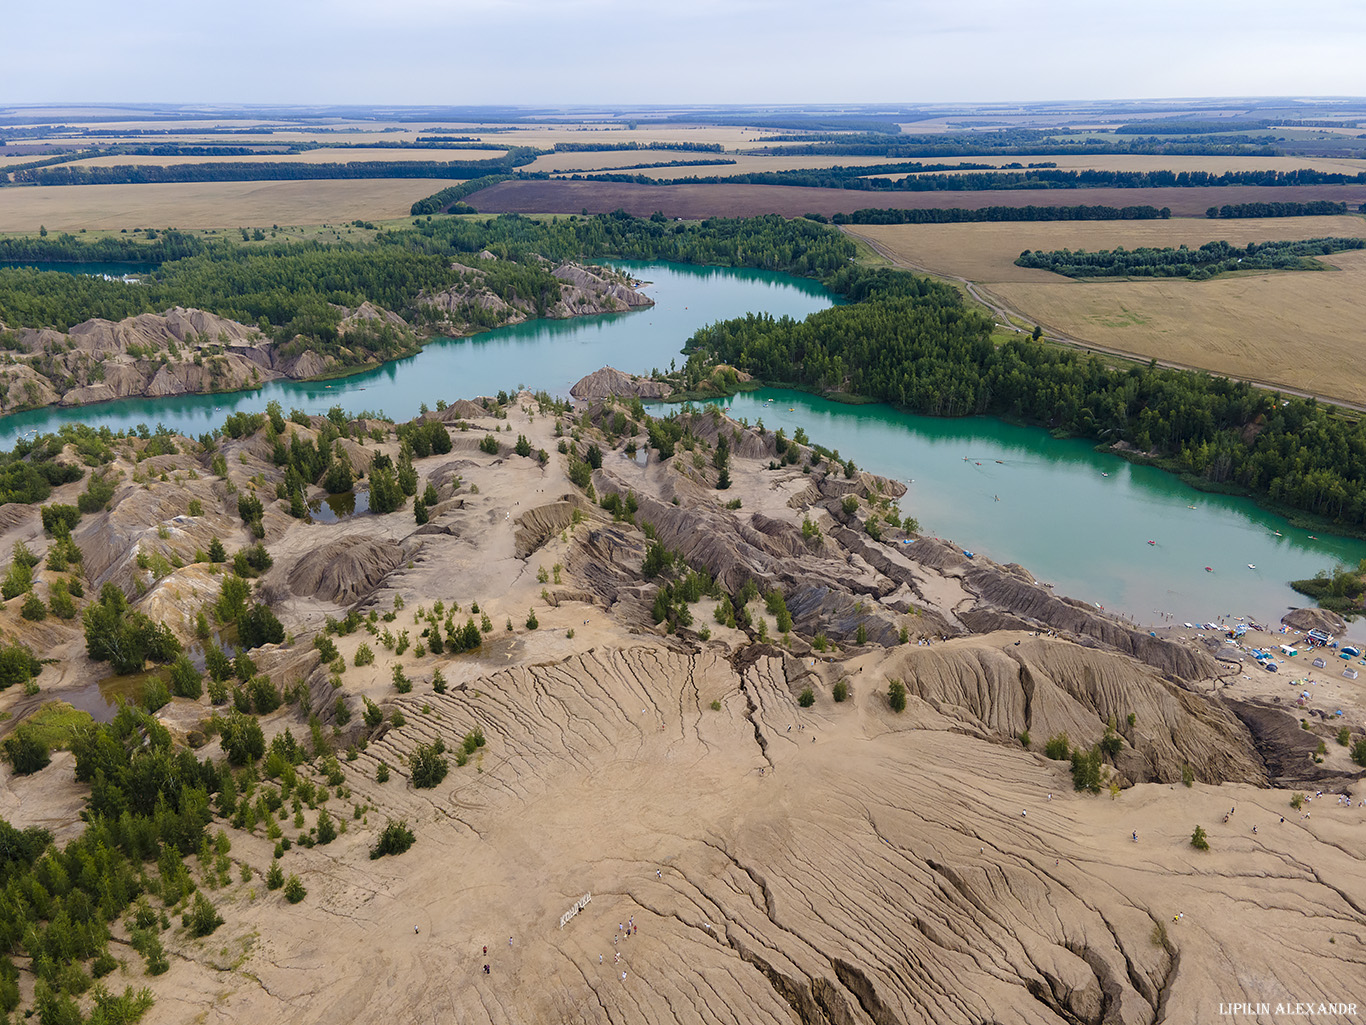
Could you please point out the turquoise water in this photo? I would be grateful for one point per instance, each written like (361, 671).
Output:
(1076, 518)
(540, 354)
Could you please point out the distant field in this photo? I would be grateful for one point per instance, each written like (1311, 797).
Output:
(589, 162)
(729, 200)
(210, 204)
(541, 136)
(1299, 330)
(1123, 162)
(315, 156)
(987, 252)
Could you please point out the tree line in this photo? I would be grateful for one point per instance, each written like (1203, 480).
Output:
(858, 178)
(916, 345)
(1316, 208)
(1197, 264)
(1008, 142)
(954, 215)
(238, 171)
(612, 147)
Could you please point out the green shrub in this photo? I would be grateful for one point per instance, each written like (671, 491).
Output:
(1086, 769)
(1025, 739)
(428, 766)
(395, 838)
(382, 773)
(896, 695)
(1058, 747)
(364, 655)
(1359, 751)
(203, 918)
(1199, 840)
(1111, 743)
(33, 608)
(186, 680)
(294, 890)
(808, 698)
(841, 691)
(26, 751)
(327, 829)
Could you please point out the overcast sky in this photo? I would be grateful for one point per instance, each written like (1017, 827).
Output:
(681, 51)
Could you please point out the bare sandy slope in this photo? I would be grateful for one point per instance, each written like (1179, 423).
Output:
(837, 864)
(880, 869)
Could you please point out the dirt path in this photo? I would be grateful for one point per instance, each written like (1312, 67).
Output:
(1003, 313)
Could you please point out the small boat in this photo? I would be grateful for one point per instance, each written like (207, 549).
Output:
(1209, 569)
(1001, 461)
(1104, 474)
(1276, 532)
(1152, 542)
(1250, 566)
(1312, 537)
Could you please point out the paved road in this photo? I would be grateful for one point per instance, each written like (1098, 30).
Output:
(1004, 314)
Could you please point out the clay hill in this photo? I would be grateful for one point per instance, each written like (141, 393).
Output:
(762, 835)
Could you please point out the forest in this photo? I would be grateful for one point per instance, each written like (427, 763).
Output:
(296, 292)
(1182, 262)
(151, 247)
(913, 343)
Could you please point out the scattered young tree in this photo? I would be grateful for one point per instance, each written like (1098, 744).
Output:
(395, 838)
(896, 695)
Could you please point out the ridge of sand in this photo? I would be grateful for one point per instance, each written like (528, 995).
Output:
(834, 864)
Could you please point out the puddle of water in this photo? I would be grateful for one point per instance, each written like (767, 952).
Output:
(101, 699)
(332, 508)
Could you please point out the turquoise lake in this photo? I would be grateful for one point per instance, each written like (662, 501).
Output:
(1078, 519)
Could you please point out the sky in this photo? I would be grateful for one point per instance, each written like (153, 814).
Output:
(567, 52)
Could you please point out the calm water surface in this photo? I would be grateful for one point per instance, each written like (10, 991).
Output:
(1076, 518)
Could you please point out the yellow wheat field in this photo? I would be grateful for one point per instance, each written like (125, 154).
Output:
(210, 204)
(987, 251)
(1302, 330)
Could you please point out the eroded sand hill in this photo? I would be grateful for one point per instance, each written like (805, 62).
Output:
(840, 863)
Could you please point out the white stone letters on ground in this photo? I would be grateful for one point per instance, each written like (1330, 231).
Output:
(579, 905)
